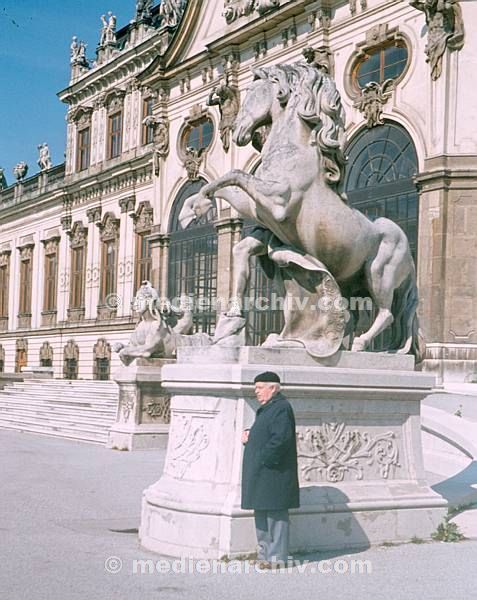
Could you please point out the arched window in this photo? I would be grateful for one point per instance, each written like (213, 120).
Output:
(109, 266)
(193, 260)
(379, 182)
(379, 178)
(143, 222)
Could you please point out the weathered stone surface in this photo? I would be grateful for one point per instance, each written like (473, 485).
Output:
(360, 458)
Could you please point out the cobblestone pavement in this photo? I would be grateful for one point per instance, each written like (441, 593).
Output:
(69, 514)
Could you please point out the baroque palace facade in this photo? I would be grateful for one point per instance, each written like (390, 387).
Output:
(149, 121)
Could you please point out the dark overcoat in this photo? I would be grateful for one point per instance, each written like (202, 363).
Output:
(269, 469)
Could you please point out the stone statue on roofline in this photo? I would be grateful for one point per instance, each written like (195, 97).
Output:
(78, 52)
(44, 160)
(20, 171)
(108, 31)
(3, 179)
(171, 12)
(144, 10)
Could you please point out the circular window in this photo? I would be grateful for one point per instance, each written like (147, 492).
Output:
(199, 136)
(379, 64)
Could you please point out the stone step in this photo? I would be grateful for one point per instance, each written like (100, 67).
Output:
(53, 421)
(76, 435)
(59, 403)
(61, 390)
(83, 400)
(77, 410)
(85, 416)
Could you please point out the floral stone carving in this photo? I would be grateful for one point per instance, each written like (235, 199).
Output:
(330, 451)
(159, 409)
(190, 440)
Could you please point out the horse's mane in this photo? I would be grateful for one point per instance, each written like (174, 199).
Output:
(318, 103)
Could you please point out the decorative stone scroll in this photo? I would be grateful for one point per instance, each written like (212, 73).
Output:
(143, 218)
(109, 227)
(159, 409)
(445, 29)
(332, 450)
(78, 235)
(190, 439)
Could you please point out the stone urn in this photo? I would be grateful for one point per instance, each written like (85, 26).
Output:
(20, 171)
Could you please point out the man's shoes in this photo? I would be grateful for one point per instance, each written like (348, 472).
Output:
(266, 564)
(263, 564)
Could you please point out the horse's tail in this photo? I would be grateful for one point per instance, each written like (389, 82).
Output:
(407, 336)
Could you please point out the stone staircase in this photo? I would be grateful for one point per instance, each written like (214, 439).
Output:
(78, 410)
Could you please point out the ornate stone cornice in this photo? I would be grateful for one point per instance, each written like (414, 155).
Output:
(109, 227)
(78, 235)
(51, 244)
(143, 218)
(127, 204)
(94, 214)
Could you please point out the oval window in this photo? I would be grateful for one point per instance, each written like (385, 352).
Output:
(379, 64)
(199, 136)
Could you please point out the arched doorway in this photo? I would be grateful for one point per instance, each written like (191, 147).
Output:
(192, 268)
(382, 162)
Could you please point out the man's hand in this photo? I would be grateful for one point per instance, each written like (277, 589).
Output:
(245, 436)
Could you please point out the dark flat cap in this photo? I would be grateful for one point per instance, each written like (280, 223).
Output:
(267, 376)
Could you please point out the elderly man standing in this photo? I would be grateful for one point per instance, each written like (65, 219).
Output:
(269, 473)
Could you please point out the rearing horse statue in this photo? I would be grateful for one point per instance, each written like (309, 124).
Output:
(294, 196)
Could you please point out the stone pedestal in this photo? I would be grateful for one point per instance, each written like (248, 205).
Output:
(359, 446)
(143, 418)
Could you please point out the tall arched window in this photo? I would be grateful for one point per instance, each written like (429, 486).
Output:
(379, 179)
(382, 162)
(109, 266)
(193, 260)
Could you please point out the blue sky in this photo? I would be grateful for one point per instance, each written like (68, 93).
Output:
(35, 38)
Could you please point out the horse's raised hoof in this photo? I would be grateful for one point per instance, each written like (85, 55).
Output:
(358, 345)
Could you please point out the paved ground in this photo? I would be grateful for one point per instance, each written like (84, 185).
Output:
(66, 507)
